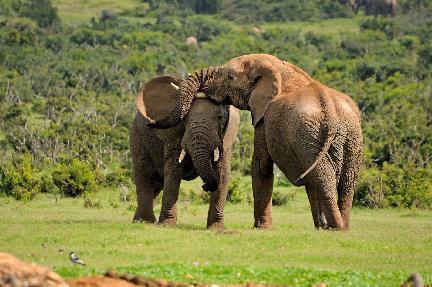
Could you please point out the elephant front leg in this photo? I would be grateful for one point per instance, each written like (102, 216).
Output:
(262, 180)
(215, 219)
(172, 179)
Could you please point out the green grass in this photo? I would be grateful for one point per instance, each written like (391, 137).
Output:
(81, 11)
(329, 27)
(381, 249)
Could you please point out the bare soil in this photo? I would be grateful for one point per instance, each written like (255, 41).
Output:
(16, 273)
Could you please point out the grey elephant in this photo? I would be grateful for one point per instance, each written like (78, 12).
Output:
(310, 131)
(375, 7)
(198, 145)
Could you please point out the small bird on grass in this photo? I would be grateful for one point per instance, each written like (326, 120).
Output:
(75, 259)
(414, 280)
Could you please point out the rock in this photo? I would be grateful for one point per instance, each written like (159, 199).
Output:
(257, 30)
(191, 41)
(15, 273)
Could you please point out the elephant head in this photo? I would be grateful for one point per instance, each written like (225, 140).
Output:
(202, 129)
(248, 82)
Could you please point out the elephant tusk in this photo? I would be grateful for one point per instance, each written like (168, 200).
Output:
(201, 95)
(175, 86)
(216, 154)
(182, 155)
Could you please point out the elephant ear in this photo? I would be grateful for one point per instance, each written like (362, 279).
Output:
(267, 85)
(157, 98)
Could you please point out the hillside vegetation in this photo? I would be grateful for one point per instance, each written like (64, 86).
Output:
(69, 72)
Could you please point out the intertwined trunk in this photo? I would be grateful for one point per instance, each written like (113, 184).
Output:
(188, 90)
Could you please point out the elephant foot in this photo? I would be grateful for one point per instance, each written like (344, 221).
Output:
(168, 221)
(216, 226)
(146, 219)
(263, 225)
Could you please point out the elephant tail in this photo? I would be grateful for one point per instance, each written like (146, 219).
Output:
(333, 125)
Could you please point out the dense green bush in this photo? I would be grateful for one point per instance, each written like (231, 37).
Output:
(282, 198)
(393, 186)
(234, 192)
(42, 11)
(74, 178)
(21, 180)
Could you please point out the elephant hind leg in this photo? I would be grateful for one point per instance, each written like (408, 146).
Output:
(323, 180)
(147, 186)
(349, 174)
(317, 213)
(146, 195)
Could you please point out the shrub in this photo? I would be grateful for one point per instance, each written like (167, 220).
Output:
(234, 192)
(21, 181)
(18, 31)
(118, 176)
(42, 11)
(91, 203)
(48, 186)
(204, 28)
(282, 198)
(394, 186)
(193, 195)
(75, 178)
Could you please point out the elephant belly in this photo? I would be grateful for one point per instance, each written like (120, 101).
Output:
(286, 160)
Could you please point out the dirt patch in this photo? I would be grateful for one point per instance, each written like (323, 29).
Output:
(15, 273)
(97, 281)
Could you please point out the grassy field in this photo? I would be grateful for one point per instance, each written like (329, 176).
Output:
(81, 11)
(381, 249)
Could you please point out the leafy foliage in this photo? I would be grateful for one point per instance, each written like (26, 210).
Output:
(20, 180)
(74, 178)
(68, 92)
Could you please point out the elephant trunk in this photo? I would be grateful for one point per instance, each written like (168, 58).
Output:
(202, 155)
(188, 89)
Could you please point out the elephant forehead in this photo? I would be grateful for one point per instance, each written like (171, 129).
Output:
(204, 106)
(236, 65)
